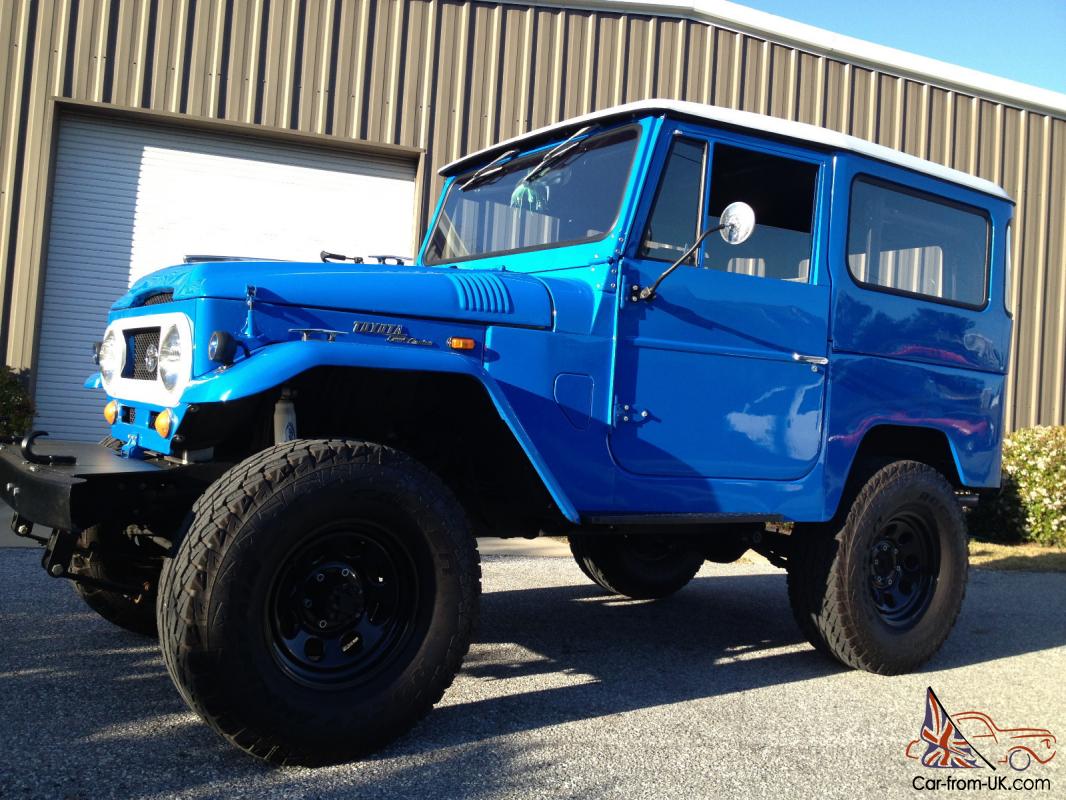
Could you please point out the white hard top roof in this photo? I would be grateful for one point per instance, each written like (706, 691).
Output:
(800, 131)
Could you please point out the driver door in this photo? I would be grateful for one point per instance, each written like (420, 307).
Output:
(722, 373)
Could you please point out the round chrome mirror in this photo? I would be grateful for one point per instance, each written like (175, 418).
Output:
(738, 222)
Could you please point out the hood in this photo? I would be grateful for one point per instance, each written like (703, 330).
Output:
(493, 297)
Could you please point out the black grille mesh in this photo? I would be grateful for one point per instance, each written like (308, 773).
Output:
(159, 297)
(141, 343)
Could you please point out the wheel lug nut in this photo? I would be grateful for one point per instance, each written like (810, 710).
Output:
(307, 602)
(320, 577)
(321, 623)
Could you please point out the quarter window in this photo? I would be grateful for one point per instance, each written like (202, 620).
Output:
(781, 191)
(911, 242)
(675, 218)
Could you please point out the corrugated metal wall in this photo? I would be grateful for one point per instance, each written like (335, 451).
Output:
(451, 76)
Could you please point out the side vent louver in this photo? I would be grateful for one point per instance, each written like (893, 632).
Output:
(157, 298)
(483, 293)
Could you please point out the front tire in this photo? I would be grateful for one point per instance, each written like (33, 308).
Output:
(642, 567)
(881, 592)
(321, 601)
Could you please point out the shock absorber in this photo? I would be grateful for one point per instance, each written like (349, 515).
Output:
(284, 417)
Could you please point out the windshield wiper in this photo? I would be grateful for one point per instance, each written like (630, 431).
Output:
(487, 171)
(557, 152)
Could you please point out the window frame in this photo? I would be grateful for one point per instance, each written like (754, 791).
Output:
(701, 210)
(875, 180)
(458, 179)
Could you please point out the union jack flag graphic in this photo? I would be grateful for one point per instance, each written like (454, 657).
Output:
(946, 747)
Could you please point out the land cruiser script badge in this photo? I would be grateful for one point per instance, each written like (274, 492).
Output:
(393, 332)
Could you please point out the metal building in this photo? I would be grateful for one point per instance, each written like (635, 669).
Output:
(133, 132)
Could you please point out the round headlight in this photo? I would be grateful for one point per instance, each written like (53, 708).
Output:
(112, 356)
(170, 358)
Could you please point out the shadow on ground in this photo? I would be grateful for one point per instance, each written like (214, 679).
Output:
(104, 719)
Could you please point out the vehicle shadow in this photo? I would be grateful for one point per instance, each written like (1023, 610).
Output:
(89, 711)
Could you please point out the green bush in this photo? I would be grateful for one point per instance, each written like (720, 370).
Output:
(1031, 506)
(16, 408)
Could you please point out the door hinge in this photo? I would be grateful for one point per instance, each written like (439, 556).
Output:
(625, 413)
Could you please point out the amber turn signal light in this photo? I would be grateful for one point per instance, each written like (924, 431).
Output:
(457, 343)
(162, 423)
(111, 412)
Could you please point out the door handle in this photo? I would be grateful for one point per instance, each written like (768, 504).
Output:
(819, 361)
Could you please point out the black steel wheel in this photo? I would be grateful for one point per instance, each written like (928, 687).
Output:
(321, 600)
(904, 563)
(640, 566)
(343, 604)
(881, 591)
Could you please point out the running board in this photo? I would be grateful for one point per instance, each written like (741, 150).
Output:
(678, 519)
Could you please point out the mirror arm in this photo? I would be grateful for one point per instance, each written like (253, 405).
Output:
(648, 292)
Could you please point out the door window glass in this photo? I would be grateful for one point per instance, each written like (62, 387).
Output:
(781, 191)
(675, 217)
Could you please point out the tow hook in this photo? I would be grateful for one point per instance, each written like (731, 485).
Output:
(40, 458)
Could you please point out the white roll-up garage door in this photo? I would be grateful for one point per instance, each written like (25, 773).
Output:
(129, 199)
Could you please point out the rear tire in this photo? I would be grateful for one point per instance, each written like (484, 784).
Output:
(642, 567)
(112, 557)
(321, 601)
(882, 592)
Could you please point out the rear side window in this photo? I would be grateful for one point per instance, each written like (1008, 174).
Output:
(910, 242)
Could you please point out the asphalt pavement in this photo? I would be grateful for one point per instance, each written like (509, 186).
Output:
(567, 693)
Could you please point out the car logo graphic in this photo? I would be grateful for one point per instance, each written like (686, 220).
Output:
(151, 358)
(972, 739)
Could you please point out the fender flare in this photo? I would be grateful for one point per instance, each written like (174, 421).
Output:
(273, 365)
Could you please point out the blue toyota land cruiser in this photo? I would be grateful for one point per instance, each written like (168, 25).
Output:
(671, 332)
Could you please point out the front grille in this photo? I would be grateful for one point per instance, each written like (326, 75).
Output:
(129, 415)
(142, 349)
(157, 298)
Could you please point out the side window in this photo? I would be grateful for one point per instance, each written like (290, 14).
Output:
(782, 191)
(912, 242)
(673, 224)
(1008, 271)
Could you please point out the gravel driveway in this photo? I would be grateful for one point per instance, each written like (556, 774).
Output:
(567, 693)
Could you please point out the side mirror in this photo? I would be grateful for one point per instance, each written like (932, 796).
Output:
(737, 222)
(736, 225)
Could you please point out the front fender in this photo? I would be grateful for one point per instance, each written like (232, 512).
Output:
(278, 363)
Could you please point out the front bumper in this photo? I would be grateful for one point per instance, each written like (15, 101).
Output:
(100, 486)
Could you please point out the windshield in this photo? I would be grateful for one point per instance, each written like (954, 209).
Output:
(533, 202)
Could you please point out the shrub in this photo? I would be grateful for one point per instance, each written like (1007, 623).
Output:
(1031, 505)
(16, 408)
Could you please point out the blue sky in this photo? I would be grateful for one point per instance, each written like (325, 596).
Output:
(1024, 40)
